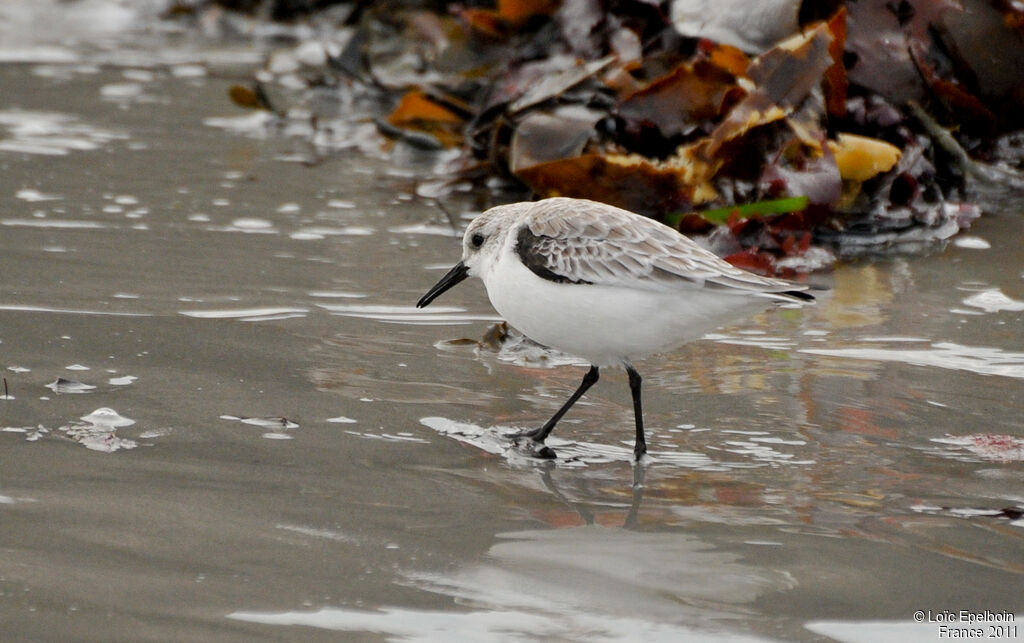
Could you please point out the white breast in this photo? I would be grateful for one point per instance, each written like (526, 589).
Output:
(607, 324)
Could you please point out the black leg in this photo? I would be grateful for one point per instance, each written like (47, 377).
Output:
(640, 445)
(541, 434)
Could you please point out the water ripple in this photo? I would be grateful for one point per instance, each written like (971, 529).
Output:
(435, 315)
(976, 359)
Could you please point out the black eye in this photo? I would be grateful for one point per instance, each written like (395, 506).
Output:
(477, 240)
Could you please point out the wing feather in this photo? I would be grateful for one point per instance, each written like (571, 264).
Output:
(586, 242)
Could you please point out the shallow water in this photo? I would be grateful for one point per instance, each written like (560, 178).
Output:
(225, 420)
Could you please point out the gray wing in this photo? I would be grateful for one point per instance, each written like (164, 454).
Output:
(586, 242)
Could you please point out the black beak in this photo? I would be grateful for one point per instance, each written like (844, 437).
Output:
(454, 276)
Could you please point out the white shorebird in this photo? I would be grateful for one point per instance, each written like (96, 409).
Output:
(604, 284)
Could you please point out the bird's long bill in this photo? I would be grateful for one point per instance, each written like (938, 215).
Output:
(454, 276)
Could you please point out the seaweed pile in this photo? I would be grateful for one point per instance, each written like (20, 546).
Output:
(787, 131)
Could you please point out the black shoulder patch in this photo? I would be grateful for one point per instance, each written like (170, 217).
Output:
(529, 247)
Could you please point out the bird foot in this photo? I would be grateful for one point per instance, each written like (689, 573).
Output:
(526, 442)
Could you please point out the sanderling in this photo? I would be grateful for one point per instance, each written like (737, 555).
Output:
(604, 284)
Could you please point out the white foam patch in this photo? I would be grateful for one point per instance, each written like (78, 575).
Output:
(121, 91)
(97, 431)
(336, 294)
(424, 228)
(317, 532)
(497, 440)
(107, 417)
(279, 423)
(33, 196)
(50, 133)
(971, 243)
(252, 123)
(993, 300)
(252, 223)
(388, 437)
(328, 231)
(56, 224)
(188, 71)
(248, 314)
